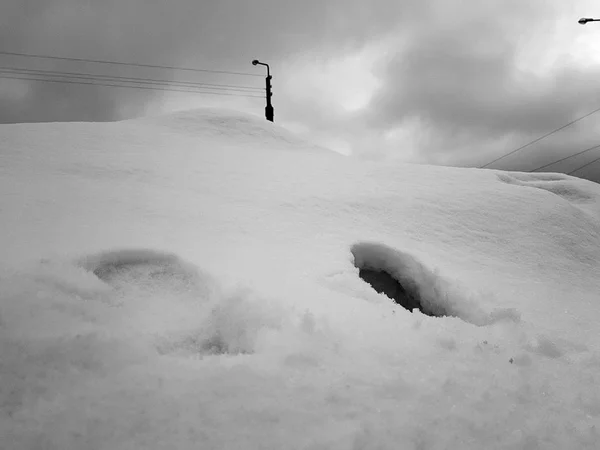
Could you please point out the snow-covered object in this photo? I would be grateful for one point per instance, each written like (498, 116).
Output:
(191, 281)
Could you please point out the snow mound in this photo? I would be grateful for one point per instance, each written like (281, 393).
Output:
(233, 126)
(574, 190)
(151, 301)
(220, 324)
(254, 329)
(238, 323)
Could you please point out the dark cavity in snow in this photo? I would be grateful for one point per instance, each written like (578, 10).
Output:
(384, 283)
(400, 277)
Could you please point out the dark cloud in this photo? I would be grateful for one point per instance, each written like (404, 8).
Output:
(225, 35)
(445, 79)
(465, 77)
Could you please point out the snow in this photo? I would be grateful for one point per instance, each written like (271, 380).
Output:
(191, 281)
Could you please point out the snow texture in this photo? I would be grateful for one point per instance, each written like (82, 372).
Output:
(192, 281)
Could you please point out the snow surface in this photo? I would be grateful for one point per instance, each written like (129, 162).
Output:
(191, 281)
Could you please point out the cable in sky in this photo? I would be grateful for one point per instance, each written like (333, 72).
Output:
(585, 165)
(119, 63)
(191, 91)
(90, 76)
(568, 157)
(541, 137)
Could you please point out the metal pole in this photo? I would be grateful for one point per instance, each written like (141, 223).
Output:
(269, 111)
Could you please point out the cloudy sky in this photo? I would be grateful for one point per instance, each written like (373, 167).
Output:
(430, 81)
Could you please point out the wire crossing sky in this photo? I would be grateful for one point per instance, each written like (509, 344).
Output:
(132, 64)
(541, 137)
(566, 158)
(80, 75)
(131, 86)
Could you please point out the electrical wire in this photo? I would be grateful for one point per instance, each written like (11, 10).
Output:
(151, 81)
(585, 165)
(568, 157)
(541, 137)
(192, 91)
(119, 63)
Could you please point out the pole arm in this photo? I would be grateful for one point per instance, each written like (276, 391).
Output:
(257, 62)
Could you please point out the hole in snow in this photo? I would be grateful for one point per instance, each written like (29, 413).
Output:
(402, 278)
(384, 283)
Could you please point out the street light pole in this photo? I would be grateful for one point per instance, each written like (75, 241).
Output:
(585, 20)
(269, 112)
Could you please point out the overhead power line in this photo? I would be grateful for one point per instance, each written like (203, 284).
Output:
(585, 165)
(568, 157)
(131, 86)
(148, 81)
(540, 138)
(120, 63)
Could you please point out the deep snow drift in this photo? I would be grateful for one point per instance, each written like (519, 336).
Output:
(192, 281)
